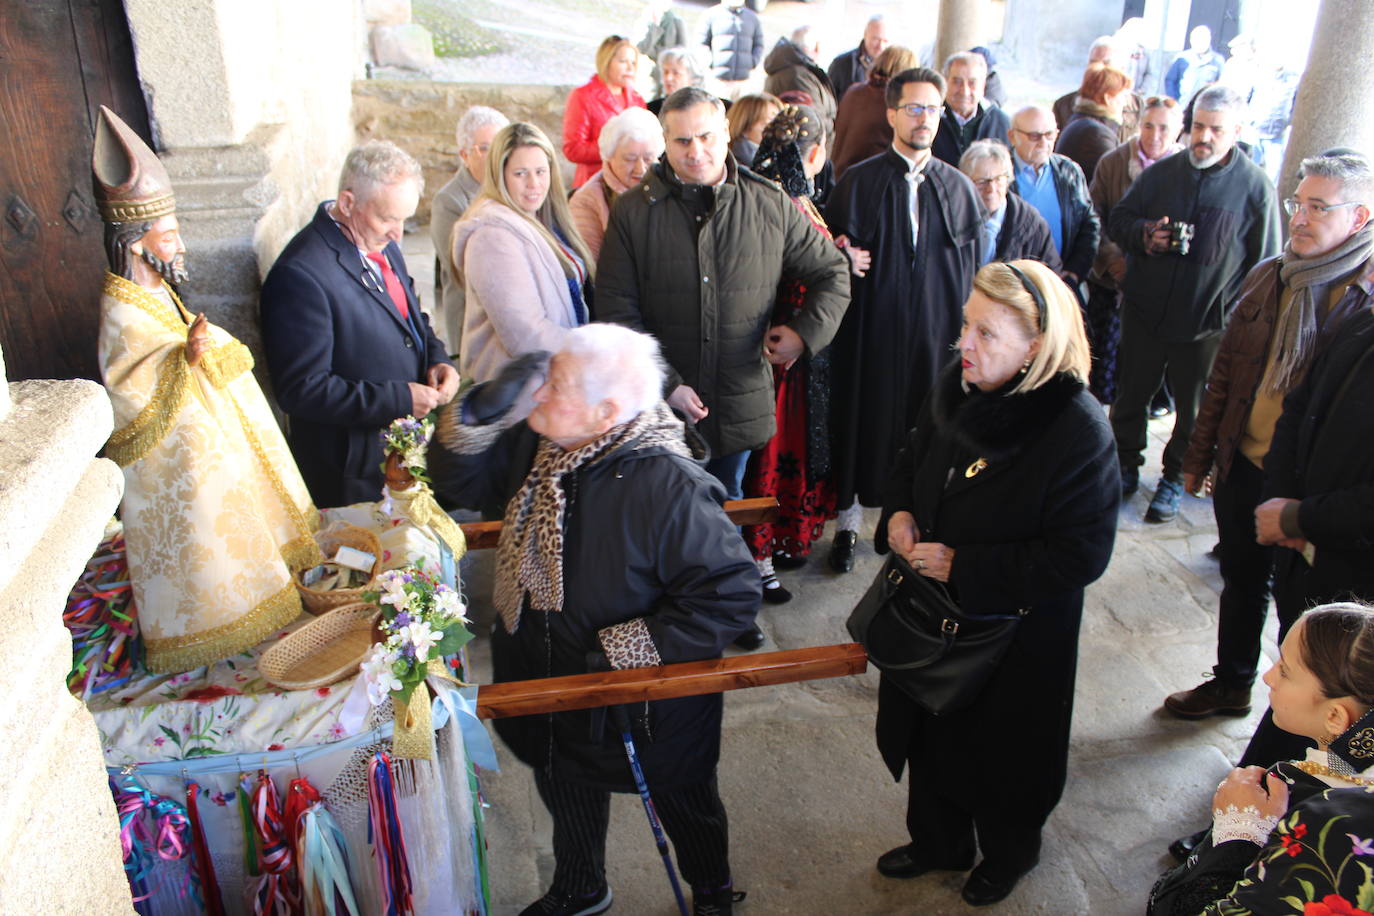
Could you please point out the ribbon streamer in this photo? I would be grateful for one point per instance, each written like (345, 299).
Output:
(325, 887)
(168, 837)
(276, 893)
(205, 869)
(387, 838)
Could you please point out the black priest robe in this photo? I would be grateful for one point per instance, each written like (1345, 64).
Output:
(903, 316)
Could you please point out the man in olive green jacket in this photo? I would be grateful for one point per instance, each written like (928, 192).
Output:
(694, 256)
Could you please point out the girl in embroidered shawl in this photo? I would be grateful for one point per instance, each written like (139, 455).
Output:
(1298, 838)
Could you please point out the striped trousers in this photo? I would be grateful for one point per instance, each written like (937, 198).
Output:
(693, 816)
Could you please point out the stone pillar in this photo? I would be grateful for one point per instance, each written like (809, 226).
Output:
(960, 28)
(1333, 97)
(59, 835)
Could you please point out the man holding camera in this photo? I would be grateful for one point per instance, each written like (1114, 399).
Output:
(1192, 226)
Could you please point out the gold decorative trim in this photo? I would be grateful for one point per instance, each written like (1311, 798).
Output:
(142, 434)
(302, 553)
(137, 211)
(182, 653)
(305, 527)
(130, 293)
(226, 362)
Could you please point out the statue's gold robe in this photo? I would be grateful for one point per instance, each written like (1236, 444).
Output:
(216, 516)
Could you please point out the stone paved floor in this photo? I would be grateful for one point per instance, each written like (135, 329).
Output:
(811, 805)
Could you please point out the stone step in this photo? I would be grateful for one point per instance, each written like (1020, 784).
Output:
(224, 192)
(190, 163)
(46, 444)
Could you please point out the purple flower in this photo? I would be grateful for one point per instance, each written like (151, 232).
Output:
(408, 650)
(402, 619)
(1361, 847)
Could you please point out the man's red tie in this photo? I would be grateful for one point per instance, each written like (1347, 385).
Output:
(393, 283)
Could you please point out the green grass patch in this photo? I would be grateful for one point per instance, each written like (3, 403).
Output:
(455, 35)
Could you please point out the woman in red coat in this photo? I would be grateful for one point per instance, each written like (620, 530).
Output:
(608, 93)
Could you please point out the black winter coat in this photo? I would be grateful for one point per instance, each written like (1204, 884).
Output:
(644, 537)
(1080, 227)
(1235, 211)
(707, 291)
(1320, 455)
(1030, 531)
(990, 123)
(341, 358)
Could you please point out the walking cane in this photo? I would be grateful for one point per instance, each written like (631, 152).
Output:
(622, 722)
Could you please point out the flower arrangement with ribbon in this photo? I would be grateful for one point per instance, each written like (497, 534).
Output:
(407, 438)
(404, 466)
(422, 621)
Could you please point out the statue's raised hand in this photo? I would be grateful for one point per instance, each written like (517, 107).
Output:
(197, 340)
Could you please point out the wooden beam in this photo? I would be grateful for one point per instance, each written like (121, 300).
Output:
(483, 535)
(635, 685)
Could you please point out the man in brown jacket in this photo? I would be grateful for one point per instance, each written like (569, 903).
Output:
(1289, 306)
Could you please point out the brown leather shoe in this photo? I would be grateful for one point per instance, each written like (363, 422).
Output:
(1211, 697)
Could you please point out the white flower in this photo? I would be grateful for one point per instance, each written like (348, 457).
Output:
(377, 673)
(448, 603)
(394, 587)
(414, 457)
(422, 638)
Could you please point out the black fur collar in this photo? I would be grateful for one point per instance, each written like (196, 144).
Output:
(997, 425)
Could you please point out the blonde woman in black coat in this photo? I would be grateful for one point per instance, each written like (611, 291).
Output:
(1007, 490)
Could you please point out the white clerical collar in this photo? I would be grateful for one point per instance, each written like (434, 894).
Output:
(912, 166)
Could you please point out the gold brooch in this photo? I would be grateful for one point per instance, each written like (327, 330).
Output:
(973, 469)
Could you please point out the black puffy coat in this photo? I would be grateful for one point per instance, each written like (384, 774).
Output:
(1031, 530)
(644, 536)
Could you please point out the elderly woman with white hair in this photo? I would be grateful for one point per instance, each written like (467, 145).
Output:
(1012, 228)
(630, 142)
(678, 67)
(615, 553)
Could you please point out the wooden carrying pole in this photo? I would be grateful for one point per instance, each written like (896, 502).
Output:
(635, 685)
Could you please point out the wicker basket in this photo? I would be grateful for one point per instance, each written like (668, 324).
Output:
(317, 602)
(324, 651)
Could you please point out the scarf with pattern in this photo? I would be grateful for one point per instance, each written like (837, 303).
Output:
(529, 555)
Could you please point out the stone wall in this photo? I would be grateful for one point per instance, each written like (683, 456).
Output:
(250, 104)
(420, 117)
(59, 834)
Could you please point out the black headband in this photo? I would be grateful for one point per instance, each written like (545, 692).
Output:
(1034, 293)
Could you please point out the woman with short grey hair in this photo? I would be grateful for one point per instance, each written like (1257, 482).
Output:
(630, 142)
(615, 553)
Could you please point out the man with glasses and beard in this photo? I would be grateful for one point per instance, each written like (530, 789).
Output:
(921, 221)
(215, 514)
(1192, 226)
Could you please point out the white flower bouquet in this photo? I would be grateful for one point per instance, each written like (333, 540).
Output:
(422, 621)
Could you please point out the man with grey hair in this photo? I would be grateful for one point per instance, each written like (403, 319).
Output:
(791, 67)
(854, 66)
(1288, 307)
(967, 116)
(1191, 227)
(1012, 228)
(475, 129)
(348, 348)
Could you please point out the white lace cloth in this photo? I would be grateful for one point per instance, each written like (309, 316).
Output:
(1233, 823)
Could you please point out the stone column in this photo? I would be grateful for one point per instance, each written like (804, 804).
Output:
(960, 28)
(59, 834)
(1333, 97)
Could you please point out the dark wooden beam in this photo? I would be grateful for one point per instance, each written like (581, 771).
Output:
(483, 535)
(635, 685)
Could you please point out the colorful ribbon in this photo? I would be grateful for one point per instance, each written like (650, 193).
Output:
(276, 893)
(205, 868)
(168, 836)
(323, 859)
(102, 619)
(387, 838)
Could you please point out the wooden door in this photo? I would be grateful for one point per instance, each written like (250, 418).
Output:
(59, 61)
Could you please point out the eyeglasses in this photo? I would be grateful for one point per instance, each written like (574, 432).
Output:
(1037, 137)
(915, 111)
(989, 182)
(1292, 206)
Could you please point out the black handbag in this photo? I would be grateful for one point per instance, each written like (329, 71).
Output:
(923, 643)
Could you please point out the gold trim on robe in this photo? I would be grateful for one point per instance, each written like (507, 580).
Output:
(216, 515)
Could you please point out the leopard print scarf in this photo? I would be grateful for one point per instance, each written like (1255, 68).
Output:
(529, 555)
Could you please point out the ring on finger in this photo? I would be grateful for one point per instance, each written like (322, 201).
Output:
(920, 564)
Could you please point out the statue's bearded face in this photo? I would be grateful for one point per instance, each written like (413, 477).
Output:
(161, 249)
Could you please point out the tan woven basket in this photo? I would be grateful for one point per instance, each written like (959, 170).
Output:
(324, 651)
(317, 602)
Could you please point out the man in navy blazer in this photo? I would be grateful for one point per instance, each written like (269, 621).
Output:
(347, 346)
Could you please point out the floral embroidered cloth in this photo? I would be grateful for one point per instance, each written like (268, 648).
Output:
(227, 707)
